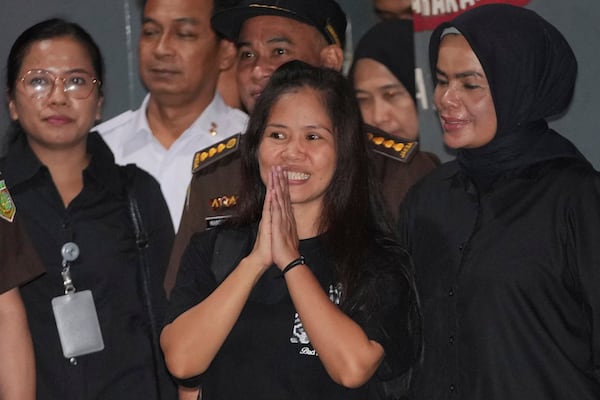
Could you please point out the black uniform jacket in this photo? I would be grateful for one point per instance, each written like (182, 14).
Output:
(509, 282)
(98, 221)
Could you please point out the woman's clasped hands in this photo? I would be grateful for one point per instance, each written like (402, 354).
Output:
(277, 238)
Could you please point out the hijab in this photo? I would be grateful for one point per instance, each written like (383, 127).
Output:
(391, 43)
(531, 71)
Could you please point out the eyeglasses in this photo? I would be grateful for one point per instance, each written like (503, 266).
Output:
(39, 83)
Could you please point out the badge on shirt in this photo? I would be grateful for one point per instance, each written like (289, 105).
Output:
(213, 222)
(213, 129)
(7, 206)
(223, 202)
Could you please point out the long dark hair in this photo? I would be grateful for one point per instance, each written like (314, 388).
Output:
(352, 223)
(49, 29)
(351, 217)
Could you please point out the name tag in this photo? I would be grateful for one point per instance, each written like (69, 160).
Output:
(77, 323)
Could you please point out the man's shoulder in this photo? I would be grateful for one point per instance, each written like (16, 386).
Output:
(390, 147)
(216, 182)
(217, 156)
(115, 123)
(230, 120)
(237, 115)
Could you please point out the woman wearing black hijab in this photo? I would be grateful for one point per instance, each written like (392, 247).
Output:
(505, 238)
(383, 76)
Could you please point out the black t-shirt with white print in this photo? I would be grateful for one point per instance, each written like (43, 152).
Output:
(267, 355)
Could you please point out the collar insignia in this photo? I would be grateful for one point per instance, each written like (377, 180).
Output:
(213, 129)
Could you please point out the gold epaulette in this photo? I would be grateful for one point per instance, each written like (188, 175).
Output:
(215, 152)
(391, 146)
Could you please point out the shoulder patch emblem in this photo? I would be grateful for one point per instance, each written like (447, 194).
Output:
(391, 146)
(215, 152)
(7, 206)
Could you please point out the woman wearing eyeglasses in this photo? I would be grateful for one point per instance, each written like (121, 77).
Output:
(73, 200)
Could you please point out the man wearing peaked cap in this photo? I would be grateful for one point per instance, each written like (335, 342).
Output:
(271, 32)
(327, 16)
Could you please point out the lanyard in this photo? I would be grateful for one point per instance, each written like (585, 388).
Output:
(69, 252)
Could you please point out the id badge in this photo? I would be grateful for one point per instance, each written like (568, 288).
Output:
(77, 323)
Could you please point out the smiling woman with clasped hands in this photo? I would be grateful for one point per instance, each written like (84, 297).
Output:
(320, 302)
